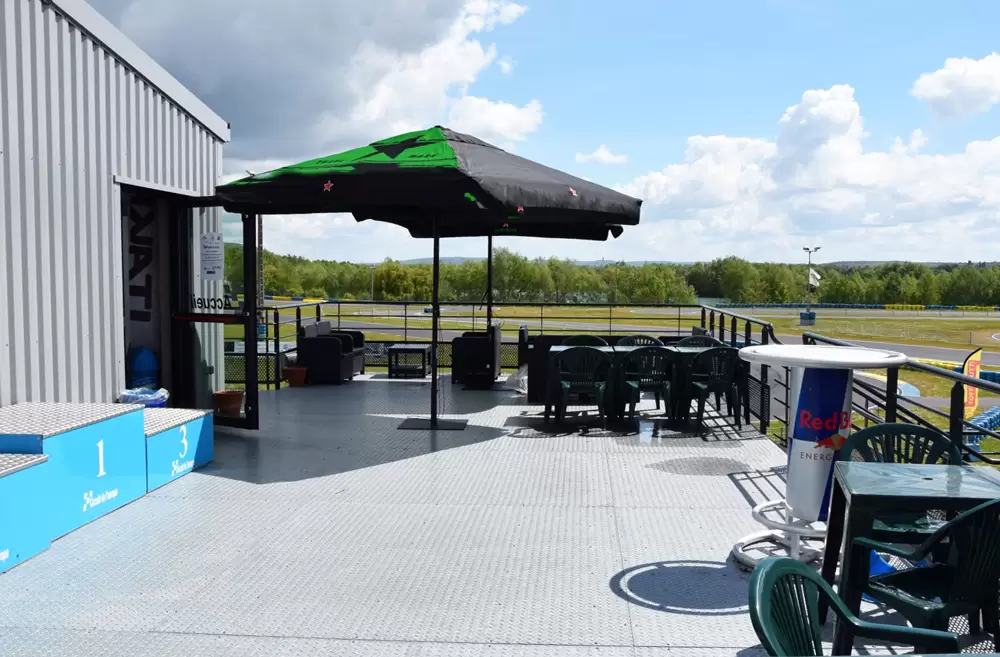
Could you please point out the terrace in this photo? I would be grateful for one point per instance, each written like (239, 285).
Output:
(330, 531)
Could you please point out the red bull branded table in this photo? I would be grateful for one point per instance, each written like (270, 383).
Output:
(820, 382)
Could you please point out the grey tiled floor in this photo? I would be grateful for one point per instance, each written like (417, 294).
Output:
(330, 532)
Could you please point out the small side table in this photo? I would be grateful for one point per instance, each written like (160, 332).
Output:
(820, 416)
(400, 366)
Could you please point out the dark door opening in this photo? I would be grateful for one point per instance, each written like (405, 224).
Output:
(190, 288)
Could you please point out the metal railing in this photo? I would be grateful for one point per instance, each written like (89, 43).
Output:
(872, 404)
(390, 322)
(741, 331)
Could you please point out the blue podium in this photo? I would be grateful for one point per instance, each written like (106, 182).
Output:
(96, 457)
(23, 529)
(178, 440)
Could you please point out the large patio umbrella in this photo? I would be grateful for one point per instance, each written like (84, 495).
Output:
(439, 183)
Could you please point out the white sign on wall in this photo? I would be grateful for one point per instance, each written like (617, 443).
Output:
(213, 257)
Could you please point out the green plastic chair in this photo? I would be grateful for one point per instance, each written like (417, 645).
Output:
(965, 584)
(648, 369)
(585, 341)
(639, 341)
(784, 610)
(579, 372)
(700, 341)
(715, 371)
(899, 442)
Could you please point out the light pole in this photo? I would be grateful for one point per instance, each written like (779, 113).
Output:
(809, 255)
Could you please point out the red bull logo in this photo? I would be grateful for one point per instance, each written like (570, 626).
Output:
(836, 422)
(835, 442)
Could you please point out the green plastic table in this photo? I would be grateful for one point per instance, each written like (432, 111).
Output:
(862, 491)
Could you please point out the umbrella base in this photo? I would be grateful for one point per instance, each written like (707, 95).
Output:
(424, 424)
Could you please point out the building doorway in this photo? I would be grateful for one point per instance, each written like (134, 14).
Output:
(190, 304)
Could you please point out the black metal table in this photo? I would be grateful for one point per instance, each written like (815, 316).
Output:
(399, 366)
(863, 491)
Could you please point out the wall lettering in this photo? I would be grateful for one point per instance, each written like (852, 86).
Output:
(142, 266)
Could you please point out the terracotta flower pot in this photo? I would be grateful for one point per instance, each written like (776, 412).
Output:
(296, 376)
(229, 402)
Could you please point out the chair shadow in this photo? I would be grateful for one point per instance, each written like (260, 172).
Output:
(576, 422)
(695, 588)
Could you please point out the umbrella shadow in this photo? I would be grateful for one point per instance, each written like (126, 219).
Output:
(319, 447)
(695, 588)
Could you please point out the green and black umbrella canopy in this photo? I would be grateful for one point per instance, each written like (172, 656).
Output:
(437, 176)
(439, 183)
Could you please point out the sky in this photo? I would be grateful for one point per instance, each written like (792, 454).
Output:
(870, 129)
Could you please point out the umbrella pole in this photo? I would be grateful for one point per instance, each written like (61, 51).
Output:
(435, 424)
(489, 281)
(435, 313)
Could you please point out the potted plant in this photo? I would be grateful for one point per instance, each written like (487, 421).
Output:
(229, 403)
(296, 375)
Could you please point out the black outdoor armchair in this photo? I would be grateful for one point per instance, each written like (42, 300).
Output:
(475, 357)
(354, 344)
(327, 358)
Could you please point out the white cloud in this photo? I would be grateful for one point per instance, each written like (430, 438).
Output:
(602, 155)
(506, 65)
(495, 120)
(815, 181)
(963, 87)
(300, 78)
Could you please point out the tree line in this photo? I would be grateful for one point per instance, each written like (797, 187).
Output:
(554, 280)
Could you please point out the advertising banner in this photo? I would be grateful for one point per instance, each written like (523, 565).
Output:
(971, 368)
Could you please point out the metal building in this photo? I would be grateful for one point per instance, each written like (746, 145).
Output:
(102, 155)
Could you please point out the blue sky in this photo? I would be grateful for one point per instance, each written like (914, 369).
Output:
(645, 78)
(748, 128)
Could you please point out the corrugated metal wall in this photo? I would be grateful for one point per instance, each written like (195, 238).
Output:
(72, 116)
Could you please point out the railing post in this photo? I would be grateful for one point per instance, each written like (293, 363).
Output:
(788, 403)
(319, 314)
(711, 323)
(610, 310)
(722, 328)
(732, 332)
(277, 349)
(957, 414)
(406, 322)
(338, 315)
(298, 320)
(702, 317)
(541, 319)
(891, 389)
(765, 383)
